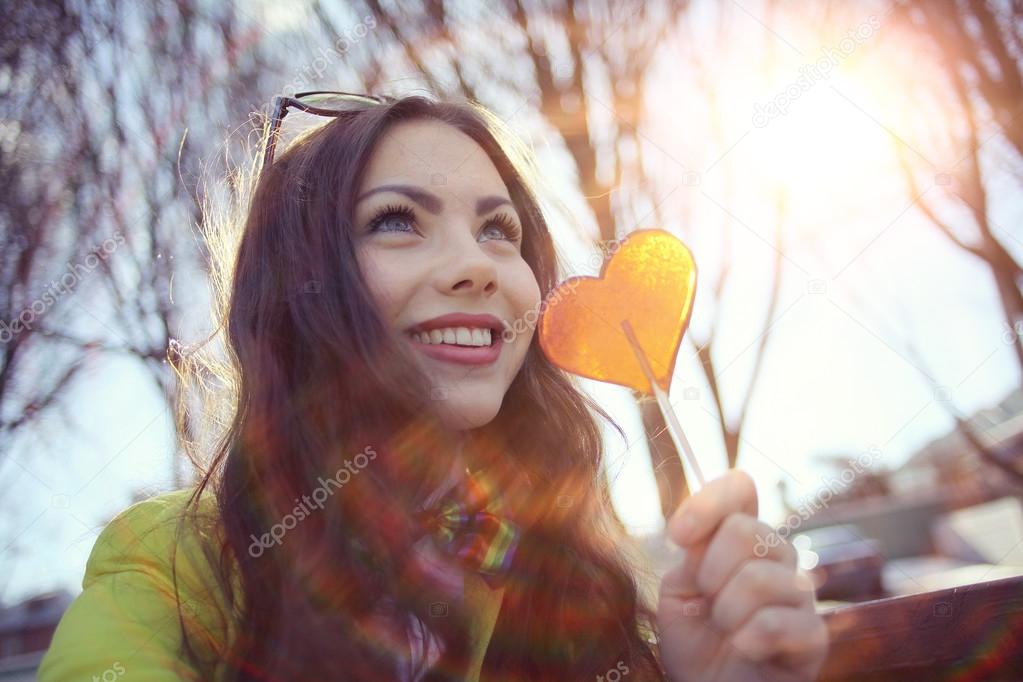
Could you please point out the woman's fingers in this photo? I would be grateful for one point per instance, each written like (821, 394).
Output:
(679, 581)
(795, 635)
(758, 584)
(736, 586)
(698, 516)
(734, 544)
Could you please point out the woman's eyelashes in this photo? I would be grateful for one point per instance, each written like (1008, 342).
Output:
(384, 217)
(508, 227)
(393, 218)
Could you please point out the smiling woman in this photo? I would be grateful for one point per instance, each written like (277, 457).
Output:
(364, 299)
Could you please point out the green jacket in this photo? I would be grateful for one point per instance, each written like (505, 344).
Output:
(125, 621)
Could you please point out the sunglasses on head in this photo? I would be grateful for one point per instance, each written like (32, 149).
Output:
(318, 102)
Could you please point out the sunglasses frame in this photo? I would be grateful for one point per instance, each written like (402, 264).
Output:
(281, 104)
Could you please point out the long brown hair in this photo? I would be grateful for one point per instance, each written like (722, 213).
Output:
(310, 376)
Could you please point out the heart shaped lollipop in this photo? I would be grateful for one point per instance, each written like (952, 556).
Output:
(649, 281)
(626, 325)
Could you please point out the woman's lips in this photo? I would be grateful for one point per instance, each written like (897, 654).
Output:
(462, 355)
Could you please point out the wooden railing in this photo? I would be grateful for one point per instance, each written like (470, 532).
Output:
(973, 632)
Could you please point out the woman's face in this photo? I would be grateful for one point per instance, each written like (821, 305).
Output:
(438, 237)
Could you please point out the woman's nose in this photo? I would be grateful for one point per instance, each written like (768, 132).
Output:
(469, 268)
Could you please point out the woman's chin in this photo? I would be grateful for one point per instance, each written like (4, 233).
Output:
(463, 415)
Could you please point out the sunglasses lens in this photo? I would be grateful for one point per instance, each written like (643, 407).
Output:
(337, 101)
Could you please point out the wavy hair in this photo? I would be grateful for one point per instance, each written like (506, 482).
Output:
(309, 375)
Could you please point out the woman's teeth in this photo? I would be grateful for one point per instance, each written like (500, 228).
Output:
(461, 336)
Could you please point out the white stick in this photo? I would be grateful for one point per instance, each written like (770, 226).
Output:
(674, 428)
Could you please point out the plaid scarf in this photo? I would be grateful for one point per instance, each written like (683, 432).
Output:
(467, 524)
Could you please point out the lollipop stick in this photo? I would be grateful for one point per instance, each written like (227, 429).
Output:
(674, 428)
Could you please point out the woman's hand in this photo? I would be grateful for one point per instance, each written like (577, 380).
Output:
(735, 608)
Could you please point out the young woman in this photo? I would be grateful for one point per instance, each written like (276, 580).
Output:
(406, 488)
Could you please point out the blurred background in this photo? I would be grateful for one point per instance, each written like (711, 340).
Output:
(847, 176)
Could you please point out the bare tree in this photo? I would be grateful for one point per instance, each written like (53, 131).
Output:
(977, 46)
(97, 215)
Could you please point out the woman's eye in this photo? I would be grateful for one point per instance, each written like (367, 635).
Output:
(497, 230)
(395, 221)
(392, 220)
(504, 228)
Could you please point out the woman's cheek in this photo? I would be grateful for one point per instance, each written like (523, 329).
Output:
(383, 279)
(527, 301)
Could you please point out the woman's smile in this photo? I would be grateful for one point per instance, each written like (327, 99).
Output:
(486, 353)
(461, 338)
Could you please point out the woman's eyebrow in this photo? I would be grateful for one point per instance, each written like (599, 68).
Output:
(433, 203)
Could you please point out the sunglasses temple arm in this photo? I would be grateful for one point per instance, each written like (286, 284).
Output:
(280, 108)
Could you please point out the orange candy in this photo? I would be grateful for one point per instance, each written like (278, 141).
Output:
(649, 281)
